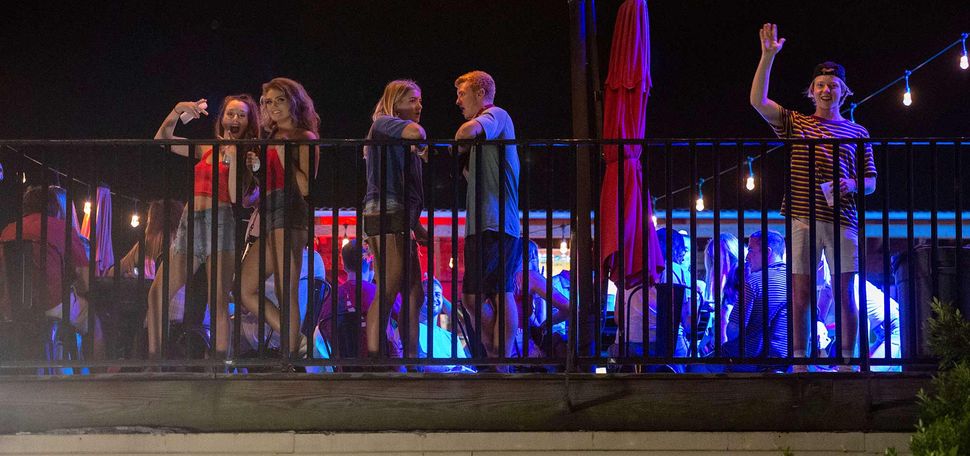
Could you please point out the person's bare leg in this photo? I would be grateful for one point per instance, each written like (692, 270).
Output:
(511, 323)
(487, 333)
(177, 278)
(850, 316)
(223, 279)
(392, 266)
(801, 299)
(416, 295)
(250, 280)
(298, 240)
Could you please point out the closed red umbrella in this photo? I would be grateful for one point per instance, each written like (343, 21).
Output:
(627, 87)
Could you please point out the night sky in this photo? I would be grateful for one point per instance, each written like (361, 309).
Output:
(115, 70)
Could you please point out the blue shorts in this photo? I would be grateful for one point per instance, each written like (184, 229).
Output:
(202, 235)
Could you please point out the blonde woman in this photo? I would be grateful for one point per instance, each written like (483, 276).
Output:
(388, 231)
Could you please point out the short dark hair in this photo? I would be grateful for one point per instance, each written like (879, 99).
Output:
(677, 241)
(776, 242)
(350, 256)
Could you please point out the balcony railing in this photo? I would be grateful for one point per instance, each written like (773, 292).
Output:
(911, 248)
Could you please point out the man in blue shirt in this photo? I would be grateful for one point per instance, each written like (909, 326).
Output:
(493, 250)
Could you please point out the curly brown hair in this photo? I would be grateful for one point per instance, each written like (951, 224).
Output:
(301, 106)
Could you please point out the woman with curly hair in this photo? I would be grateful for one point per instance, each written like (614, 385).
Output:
(286, 114)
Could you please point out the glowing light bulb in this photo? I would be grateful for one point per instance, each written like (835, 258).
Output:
(344, 241)
(749, 183)
(907, 96)
(87, 208)
(564, 247)
(654, 219)
(451, 263)
(24, 179)
(963, 58)
(135, 221)
(699, 205)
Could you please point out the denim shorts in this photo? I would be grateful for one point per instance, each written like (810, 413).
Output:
(202, 235)
(283, 214)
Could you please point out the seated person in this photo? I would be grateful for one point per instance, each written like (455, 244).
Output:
(753, 319)
(875, 311)
(441, 310)
(534, 305)
(48, 285)
(346, 333)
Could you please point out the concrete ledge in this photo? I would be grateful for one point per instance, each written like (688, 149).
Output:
(467, 444)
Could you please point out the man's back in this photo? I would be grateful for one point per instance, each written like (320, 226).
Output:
(754, 312)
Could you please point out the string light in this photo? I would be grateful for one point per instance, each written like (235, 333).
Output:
(964, 64)
(24, 179)
(563, 245)
(907, 96)
(345, 240)
(749, 182)
(87, 208)
(135, 221)
(700, 196)
(451, 263)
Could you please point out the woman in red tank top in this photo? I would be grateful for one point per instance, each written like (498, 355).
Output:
(286, 114)
(237, 120)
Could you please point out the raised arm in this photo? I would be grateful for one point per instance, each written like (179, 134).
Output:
(167, 129)
(770, 45)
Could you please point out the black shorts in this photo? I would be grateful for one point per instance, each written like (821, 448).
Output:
(486, 280)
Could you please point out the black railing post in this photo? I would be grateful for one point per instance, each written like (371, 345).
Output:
(765, 236)
(214, 292)
(813, 348)
(916, 315)
(886, 246)
(527, 308)
(860, 297)
(835, 262)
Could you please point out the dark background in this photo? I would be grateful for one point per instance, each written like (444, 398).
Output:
(112, 71)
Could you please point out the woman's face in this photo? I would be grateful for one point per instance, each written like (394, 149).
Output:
(235, 119)
(409, 107)
(276, 104)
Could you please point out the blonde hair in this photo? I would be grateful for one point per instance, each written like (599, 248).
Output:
(302, 112)
(394, 92)
(478, 80)
(846, 91)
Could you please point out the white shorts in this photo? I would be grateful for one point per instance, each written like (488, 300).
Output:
(824, 243)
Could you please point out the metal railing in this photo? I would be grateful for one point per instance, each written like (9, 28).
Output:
(551, 175)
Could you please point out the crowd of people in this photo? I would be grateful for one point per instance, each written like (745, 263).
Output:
(382, 310)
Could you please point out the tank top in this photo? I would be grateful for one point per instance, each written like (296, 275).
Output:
(203, 178)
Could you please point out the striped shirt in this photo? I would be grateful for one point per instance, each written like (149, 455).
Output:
(754, 315)
(799, 126)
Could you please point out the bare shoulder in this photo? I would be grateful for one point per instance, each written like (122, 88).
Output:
(304, 135)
